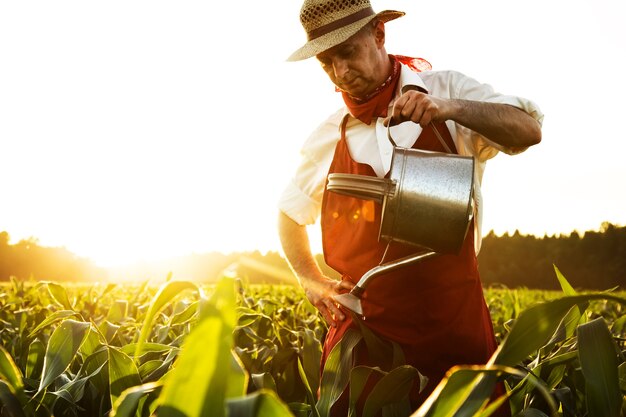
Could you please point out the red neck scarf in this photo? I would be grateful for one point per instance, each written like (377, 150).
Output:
(377, 102)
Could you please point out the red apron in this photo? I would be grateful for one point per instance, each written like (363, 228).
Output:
(434, 309)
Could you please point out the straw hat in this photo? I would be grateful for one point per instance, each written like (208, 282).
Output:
(328, 23)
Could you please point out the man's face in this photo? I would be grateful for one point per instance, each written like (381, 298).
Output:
(357, 65)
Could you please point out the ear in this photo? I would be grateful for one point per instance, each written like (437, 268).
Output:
(379, 33)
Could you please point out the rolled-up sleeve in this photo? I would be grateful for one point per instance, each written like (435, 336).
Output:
(470, 89)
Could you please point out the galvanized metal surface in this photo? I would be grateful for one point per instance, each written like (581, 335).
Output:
(432, 205)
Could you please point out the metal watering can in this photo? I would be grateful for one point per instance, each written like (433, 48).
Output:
(426, 200)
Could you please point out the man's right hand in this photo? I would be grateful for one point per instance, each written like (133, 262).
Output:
(318, 288)
(320, 293)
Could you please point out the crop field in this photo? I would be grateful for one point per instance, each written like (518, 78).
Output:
(180, 348)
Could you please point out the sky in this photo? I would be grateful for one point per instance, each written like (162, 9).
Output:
(137, 130)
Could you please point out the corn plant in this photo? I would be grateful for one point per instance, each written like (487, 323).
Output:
(232, 349)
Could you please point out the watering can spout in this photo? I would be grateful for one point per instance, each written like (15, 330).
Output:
(352, 300)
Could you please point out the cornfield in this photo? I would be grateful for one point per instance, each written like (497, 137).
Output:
(232, 349)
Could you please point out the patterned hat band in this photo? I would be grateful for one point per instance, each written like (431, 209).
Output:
(345, 21)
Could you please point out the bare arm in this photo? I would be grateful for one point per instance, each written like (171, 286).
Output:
(318, 288)
(501, 123)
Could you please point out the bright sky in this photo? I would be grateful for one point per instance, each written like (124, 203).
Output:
(141, 129)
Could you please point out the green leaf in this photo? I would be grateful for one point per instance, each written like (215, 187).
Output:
(565, 285)
(264, 380)
(128, 402)
(73, 390)
(9, 403)
(34, 364)
(186, 315)
(309, 393)
(198, 383)
(62, 347)
(466, 389)
(10, 373)
(259, 404)
(147, 368)
(451, 393)
(311, 358)
(237, 378)
(337, 371)
(123, 373)
(358, 379)
(536, 324)
(59, 294)
(130, 348)
(165, 295)
(52, 318)
(117, 311)
(598, 360)
(392, 388)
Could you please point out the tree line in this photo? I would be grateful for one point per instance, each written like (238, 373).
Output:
(595, 260)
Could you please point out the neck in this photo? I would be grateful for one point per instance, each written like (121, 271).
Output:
(386, 73)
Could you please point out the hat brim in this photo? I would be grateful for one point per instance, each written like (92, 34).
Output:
(334, 38)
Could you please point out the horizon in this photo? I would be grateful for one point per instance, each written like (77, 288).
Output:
(162, 260)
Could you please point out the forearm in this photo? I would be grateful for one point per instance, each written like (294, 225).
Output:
(501, 123)
(295, 242)
(318, 288)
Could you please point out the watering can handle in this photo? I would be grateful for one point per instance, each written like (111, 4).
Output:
(443, 142)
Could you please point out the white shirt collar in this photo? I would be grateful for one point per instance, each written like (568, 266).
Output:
(409, 77)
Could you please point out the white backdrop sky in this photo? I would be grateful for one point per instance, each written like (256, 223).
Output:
(141, 129)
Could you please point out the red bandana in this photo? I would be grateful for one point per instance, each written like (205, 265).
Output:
(377, 102)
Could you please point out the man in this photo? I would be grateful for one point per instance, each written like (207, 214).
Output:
(434, 309)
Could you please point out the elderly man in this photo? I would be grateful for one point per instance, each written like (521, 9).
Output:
(434, 309)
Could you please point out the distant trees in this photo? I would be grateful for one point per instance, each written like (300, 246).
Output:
(596, 260)
(27, 259)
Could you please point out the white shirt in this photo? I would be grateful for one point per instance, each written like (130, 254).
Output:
(302, 198)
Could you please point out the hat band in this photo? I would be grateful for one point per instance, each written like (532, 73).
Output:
(344, 21)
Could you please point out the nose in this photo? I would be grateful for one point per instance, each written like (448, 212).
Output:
(340, 67)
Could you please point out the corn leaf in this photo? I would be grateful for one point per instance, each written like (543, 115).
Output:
(34, 363)
(565, 285)
(358, 378)
(130, 348)
(309, 393)
(59, 294)
(392, 388)
(117, 311)
(598, 360)
(198, 384)
(164, 296)
(128, 402)
(11, 406)
(337, 371)
(466, 389)
(259, 404)
(311, 359)
(10, 373)
(536, 324)
(238, 378)
(52, 318)
(123, 373)
(62, 347)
